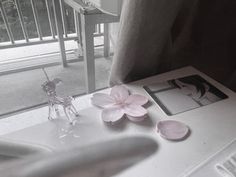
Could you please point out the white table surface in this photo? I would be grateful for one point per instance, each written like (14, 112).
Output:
(212, 127)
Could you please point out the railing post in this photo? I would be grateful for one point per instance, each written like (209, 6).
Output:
(36, 19)
(58, 19)
(8, 28)
(63, 17)
(21, 18)
(88, 52)
(78, 31)
(50, 19)
(106, 40)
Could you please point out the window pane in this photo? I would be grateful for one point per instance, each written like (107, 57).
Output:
(21, 73)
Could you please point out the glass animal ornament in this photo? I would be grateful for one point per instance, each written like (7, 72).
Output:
(56, 102)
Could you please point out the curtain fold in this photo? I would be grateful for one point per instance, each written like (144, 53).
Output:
(144, 38)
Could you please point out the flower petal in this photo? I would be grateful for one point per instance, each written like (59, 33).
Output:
(135, 110)
(119, 93)
(112, 114)
(102, 100)
(136, 119)
(136, 99)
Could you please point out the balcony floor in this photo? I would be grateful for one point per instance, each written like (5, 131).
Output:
(22, 90)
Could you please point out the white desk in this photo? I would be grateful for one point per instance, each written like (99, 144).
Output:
(212, 127)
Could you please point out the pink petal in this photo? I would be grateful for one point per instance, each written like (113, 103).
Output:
(172, 130)
(136, 119)
(135, 110)
(136, 99)
(102, 100)
(112, 114)
(119, 93)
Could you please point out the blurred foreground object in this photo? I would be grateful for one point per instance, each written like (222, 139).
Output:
(98, 160)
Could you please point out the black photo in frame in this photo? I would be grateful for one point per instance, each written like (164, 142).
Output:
(184, 94)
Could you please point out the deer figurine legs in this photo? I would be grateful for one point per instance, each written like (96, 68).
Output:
(68, 108)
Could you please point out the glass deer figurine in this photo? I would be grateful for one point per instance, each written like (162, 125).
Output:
(55, 102)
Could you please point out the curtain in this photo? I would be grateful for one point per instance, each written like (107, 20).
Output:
(160, 35)
(143, 38)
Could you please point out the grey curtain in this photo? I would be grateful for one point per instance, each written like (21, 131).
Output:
(160, 35)
(144, 31)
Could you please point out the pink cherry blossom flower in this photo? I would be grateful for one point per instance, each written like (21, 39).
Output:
(119, 104)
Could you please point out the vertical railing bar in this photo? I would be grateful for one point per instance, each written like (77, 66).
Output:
(50, 19)
(99, 29)
(106, 40)
(19, 11)
(102, 26)
(4, 16)
(95, 28)
(64, 22)
(88, 53)
(36, 19)
(58, 19)
(77, 23)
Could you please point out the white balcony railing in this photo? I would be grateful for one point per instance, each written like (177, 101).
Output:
(57, 15)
